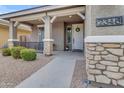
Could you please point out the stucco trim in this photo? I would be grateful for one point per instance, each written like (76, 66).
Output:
(48, 40)
(106, 39)
(13, 40)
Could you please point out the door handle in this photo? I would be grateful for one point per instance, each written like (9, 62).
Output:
(73, 40)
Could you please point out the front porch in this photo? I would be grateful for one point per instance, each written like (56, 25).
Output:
(51, 30)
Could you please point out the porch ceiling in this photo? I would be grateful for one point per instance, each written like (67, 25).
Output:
(68, 19)
(33, 22)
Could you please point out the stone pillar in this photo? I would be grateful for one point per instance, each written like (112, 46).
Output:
(12, 34)
(48, 41)
(105, 59)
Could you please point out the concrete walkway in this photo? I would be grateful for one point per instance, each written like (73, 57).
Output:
(56, 74)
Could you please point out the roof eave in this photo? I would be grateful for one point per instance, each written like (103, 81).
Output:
(7, 16)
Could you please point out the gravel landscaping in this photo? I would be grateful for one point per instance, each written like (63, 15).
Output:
(13, 71)
(79, 74)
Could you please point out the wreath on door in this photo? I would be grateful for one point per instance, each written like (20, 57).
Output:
(77, 29)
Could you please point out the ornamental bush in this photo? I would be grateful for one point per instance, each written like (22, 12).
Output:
(28, 54)
(15, 52)
(6, 52)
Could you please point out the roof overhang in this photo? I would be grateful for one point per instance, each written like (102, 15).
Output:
(36, 10)
(21, 26)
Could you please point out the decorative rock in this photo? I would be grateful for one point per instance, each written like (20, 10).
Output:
(111, 45)
(122, 58)
(113, 75)
(122, 46)
(91, 66)
(91, 45)
(89, 56)
(99, 44)
(97, 57)
(110, 57)
(118, 52)
(104, 52)
(88, 51)
(100, 66)
(121, 64)
(91, 77)
(111, 68)
(114, 82)
(121, 82)
(94, 71)
(99, 48)
(91, 48)
(108, 63)
(93, 62)
(94, 52)
(122, 70)
(103, 79)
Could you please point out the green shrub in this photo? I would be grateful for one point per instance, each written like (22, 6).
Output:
(15, 52)
(28, 54)
(6, 52)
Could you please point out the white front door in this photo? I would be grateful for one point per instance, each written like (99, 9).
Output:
(77, 37)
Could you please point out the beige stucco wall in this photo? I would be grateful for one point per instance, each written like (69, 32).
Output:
(58, 35)
(34, 35)
(99, 11)
(4, 34)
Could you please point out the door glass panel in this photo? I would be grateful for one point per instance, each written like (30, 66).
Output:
(41, 34)
(68, 46)
(41, 37)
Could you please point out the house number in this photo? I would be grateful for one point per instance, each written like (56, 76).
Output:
(109, 21)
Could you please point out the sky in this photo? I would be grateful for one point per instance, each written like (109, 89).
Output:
(12, 8)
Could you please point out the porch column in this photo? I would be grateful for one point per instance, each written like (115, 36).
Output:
(12, 34)
(48, 41)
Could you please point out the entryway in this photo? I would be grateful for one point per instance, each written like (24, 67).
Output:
(74, 37)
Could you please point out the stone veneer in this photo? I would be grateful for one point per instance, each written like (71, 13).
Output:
(105, 62)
